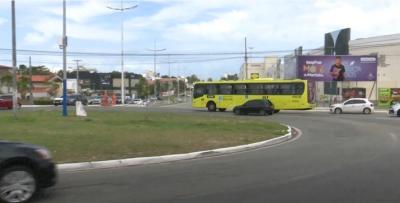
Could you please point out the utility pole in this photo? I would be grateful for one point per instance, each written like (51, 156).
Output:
(64, 47)
(122, 9)
(14, 59)
(77, 76)
(30, 81)
(245, 58)
(169, 80)
(177, 77)
(155, 51)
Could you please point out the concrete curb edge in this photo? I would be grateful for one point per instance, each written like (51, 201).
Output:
(70, 167)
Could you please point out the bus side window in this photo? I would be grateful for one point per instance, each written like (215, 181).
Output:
(199, 90)
(239, 89)
(299, 88)
(212, 90)
(225, 89)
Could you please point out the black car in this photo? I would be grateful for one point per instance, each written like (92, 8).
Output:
(24, 169)
(259, 106)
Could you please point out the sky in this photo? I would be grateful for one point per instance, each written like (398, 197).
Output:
(189, 27)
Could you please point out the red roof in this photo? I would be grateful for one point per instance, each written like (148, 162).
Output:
(41, 78)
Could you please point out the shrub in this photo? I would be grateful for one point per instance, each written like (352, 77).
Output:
(43, 102)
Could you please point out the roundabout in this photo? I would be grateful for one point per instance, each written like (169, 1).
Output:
(338, 158)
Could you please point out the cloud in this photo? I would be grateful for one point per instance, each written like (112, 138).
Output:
(82, 12)
(2, 21)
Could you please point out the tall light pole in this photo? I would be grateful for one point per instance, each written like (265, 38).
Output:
(155, 51)
(122, 9)
(14, 58)
(64, 48)
(245, 58)
(30, 81)
(77, 75)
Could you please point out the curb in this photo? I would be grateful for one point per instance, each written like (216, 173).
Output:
(170, 158)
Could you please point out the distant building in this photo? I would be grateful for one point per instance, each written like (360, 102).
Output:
(269, 68)
(386, 48)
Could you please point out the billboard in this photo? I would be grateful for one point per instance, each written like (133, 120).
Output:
(337, 68)
(384, 97)
(348, 93)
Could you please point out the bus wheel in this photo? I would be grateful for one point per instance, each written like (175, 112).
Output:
(222, 109)
(211, 106)
(276, 111)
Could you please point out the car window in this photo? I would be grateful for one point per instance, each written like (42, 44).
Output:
(359, 101)
(349, 102)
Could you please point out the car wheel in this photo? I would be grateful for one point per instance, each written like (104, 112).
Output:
(211, 107)
(270, 112)
(17, 185)
(398, 113)
(222, 109)
(338, 111)
(276, 111)
(262, 112)
(237, 111)
(367, 111)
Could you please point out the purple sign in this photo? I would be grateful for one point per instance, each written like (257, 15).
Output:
(337, 68)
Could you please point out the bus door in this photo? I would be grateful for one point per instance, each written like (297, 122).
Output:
(225, 97)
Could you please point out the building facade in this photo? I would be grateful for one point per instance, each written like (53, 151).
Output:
(268, 68)
(387, 50)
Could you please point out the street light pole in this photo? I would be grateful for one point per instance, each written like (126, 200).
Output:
(77, 75)
(122, 9)
(245, 58)
(64, 47)
(14, 58)
(30, 81)
(155, 50)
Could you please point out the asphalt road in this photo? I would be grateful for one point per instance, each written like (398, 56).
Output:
(339, 158)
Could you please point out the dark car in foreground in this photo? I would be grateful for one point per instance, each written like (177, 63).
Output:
(24, 170)
(258, 106)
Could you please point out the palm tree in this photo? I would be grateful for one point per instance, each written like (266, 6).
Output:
(53, 89)
(6, 81)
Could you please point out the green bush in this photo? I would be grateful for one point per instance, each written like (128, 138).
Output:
(43, 102)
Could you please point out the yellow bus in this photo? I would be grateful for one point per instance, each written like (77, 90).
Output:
(223, 95)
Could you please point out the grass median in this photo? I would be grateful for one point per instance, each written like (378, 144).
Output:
(114, 135)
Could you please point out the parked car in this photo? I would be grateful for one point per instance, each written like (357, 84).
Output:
(58, 101)
(6, 102)
(354, 105)
(395, 108)
(259, 106)
(71, 100)
(24, 169)
(77, 97)
(95, 100)
(137, 101)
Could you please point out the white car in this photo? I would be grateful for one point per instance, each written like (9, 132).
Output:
(354, 105)
(137, 101)
(95, 100)
(395, 109)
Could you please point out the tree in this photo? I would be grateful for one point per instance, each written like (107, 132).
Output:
(53, 88)
(23, 86)
(209, 79)
(36, 70)
(7, 81)
(142, 88)
(230, 77)
(192, 79)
